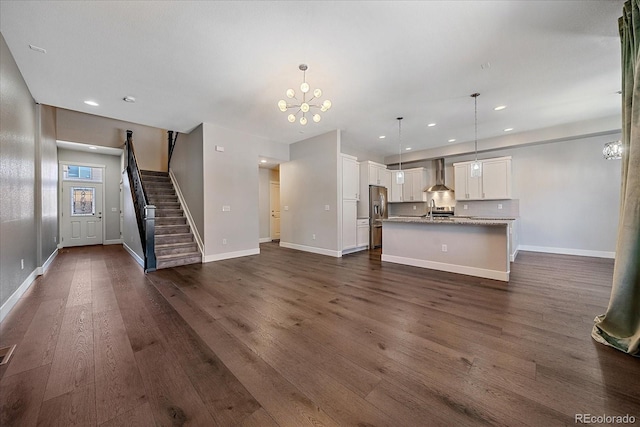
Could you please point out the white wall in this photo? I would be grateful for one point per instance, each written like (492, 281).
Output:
(188, 168)
(307, 183)
(569, 195)
(231, 179)
(150, 143)
(130, 233)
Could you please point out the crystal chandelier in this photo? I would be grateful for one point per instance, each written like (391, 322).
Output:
(476, 166)
(304, 105)
(612, 150)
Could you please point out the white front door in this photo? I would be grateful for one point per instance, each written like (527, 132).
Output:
(274, 201)
(81, 213)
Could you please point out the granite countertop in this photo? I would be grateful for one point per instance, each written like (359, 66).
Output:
(452, 220)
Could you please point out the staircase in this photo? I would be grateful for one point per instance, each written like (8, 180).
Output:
(174, 241)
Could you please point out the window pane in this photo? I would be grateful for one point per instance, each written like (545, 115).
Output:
(82, 201)
(73, 172)
(84, 172)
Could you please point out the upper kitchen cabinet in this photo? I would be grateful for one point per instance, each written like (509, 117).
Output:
(415, 181)
(373, 173)
(350, 178)
(494, 184)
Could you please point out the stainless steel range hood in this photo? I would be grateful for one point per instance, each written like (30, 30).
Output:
(439, 178)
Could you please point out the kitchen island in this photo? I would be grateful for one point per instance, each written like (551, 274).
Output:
(472, 246)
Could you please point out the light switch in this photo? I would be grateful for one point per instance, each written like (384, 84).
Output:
(114, 209)
(326, 207)
(226, 208)
(219, 148)
(465, 207)
(499, 205)
(286, 208)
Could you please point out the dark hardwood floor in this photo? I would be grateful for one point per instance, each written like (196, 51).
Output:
(291, 339)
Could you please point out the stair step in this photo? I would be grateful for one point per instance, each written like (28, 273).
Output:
(162, 198)
(155, 178)
(178, 260)
(171, 220)
(163, 212)
(172, 229)
(153, 173)
(166, 239)
(176, 248)
(157, 184)
(157, 191)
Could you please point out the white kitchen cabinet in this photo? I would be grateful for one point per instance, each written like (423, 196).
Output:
(415, 181)
(494, 184)
(362, 231)
(349, 224)
(350, 178)
(377, 174)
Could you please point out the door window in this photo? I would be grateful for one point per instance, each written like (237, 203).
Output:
(83, 201)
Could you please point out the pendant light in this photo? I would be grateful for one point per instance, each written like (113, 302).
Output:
(476, 166)
(400, 173)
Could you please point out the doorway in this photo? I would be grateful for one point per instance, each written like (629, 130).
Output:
(274, 203)
(81, 205)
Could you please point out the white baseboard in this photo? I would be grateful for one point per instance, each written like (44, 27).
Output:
(312, 249)
(229, 255)
(187, 213)
(265, 239)
(567, 251)
(512, 257)
(47, 263)
(451, 268)
(112, 242)
(135, 256)
(13, 299)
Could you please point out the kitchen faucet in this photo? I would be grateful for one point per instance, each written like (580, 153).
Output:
(432, 204)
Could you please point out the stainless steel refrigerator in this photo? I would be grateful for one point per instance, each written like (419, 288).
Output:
(377, 212)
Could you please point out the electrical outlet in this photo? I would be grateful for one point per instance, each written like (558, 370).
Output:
(313, 236)
(22, 264)
(326, 207)
(226, 208)
(465, 207)
(414, 207)
(286, 208)
(224, 241)
(444, 248)
(114, 209)
(499, 205)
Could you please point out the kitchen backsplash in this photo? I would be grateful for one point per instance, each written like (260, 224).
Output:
(510, 208)
(489, 208)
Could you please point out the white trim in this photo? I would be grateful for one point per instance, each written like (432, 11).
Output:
(47, 263)
(13, 299)
(312, 249)
(112, 242)
(513, 256)
(352, 250)
(187, 213)
(265, 239)
(134, 255)
(451, 268)
(567, 251)
(229, 255)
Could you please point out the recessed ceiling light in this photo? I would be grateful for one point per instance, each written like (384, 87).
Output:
(452, 140)
(263, 161)
(500, 107)
(408, 148)
(129, 99)
(91, 147)
(508, 129)
(382, 137)
(431, 125)
(37, 49)
(92, 103)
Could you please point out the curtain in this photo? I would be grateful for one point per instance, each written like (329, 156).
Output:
(620, 326)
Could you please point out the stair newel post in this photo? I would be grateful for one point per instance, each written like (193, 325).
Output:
(150, 247)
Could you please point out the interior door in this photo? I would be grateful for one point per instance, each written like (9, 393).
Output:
(274, 201)
(81, 213)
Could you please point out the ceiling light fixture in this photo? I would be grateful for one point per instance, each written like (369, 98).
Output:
(382, 137)
(476, 166)
(37, 49)
(500, 107)
(508, 129)
(431, 125)
(407, 149)
(92, 103)
(263, 161)
(129, 99)
(400, 173)
(612, 150)
(452, 140)
(304, 105)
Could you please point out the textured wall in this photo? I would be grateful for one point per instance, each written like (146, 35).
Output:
(17, 177)
(49, 181)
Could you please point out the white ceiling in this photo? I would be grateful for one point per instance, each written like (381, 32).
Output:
(228, 63)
